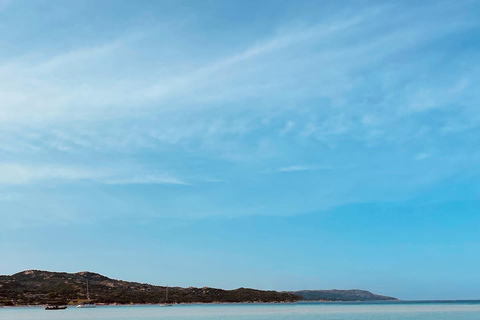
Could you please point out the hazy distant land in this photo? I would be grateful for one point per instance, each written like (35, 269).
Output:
(340, 295)
(34, 287)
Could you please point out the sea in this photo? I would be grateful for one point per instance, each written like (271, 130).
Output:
(432, 310)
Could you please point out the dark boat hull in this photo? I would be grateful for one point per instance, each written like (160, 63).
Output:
(56, 308)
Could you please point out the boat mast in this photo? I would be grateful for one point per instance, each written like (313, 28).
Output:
(88, 294)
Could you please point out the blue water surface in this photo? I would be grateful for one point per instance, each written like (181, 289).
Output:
(298, 311)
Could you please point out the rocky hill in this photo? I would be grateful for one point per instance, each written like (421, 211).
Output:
(42, 287)
(340, 295)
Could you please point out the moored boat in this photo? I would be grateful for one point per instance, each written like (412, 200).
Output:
(55, 307)
(88, 304)
(166, 304)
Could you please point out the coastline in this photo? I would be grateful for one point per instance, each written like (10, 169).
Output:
(378, 302)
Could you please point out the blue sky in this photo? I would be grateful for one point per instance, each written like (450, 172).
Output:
(275, 144)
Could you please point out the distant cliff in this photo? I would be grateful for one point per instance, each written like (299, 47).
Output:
(44, 287)
(340, 295)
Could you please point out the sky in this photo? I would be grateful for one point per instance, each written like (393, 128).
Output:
(278, 145)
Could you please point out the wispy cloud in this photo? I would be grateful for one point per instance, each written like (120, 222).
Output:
(147, 179)
(422, 156)
(65, 86)
(366, 82)
(15, 174)
(46, 90)
(303, 168)
(294, 168)
(21, 174)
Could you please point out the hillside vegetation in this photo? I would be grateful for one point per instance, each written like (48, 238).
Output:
(34, 287)
(42, 287)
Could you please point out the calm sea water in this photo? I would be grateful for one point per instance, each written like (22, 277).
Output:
(298, 311)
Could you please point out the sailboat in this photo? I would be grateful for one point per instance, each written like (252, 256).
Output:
(166, 304)
(87, 304)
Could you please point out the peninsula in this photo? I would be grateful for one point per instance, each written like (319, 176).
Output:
(35, 287)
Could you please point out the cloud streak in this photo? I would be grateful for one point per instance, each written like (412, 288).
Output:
(303, 168)
(64, 86)
(23, 174)
(362, 84)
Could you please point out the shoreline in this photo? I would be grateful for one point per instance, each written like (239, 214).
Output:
(155, 304)
(475, 301)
